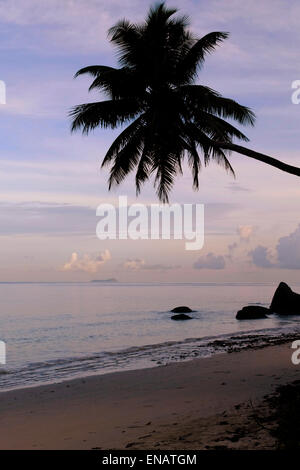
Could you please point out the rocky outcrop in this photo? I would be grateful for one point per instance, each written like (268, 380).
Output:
(181, 316)
(252, 312)
(182, 309)
(285, 301)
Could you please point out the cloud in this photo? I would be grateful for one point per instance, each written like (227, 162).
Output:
(288, 250)
(138, 263)
(261, 257)
(245, 232)
(134, 264)
(86, 263)
(71, 21)
(287, 253)
(161, 267)
(237, 188)
(67, 22)
(231, 250)
(210, 261)
(37, 217)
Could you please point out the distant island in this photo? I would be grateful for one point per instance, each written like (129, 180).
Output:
(105, 280)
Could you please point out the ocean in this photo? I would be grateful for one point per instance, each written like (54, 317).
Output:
(58, 331)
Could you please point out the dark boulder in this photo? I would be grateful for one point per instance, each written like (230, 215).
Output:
(181, 316)
(285, 301)
(252, 312)
(181, 309)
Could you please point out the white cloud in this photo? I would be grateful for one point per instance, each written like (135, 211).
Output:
(139, 263)
(134, 264)
(210, 261)
(245, 232)
(86, 263)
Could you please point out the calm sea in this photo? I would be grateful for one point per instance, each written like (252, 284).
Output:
(56, 331)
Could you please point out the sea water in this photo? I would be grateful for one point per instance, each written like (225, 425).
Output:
(58, 331)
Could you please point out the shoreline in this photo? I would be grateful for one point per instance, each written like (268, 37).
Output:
(139, 408)
(175, 352)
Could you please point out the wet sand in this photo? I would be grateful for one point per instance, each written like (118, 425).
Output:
(202, 403)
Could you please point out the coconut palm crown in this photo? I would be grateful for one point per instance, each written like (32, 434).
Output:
(165, 115)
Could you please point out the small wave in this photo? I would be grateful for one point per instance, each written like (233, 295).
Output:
(146, 356)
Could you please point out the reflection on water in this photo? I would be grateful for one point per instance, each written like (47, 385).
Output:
(60, 330)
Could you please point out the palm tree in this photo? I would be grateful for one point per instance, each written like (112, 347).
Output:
(168, 115)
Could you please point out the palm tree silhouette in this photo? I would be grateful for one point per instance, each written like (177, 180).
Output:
(169, 116)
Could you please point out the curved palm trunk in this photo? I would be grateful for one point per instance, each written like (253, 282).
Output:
(293, 170)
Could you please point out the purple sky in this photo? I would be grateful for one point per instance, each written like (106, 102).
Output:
(50, 180)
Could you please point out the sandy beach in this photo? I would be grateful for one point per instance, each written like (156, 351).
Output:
(190, 405)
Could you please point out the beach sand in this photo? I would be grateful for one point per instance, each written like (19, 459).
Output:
(200, 404)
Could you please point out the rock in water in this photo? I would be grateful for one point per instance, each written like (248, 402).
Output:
(252, 312)
(181, 316)
(285, 301)
(181, 309)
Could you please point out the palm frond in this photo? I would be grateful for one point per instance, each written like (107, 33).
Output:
(206, 99)
(123, 139)
(194, 58)
(110, 113)
(159, 14)
(126, 159)
(210, 150)
(218, 128)
(220, 157)
(144, 168)
(166, 167)
(194, 163)
(94, 70)
(128, 39)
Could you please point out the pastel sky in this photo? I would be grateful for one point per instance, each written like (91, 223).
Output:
(50, 181)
